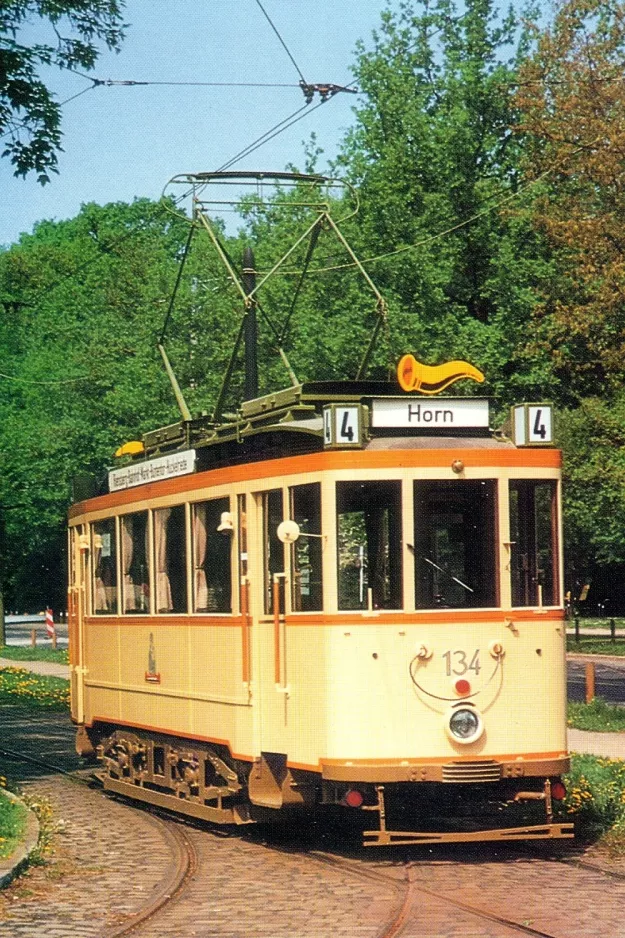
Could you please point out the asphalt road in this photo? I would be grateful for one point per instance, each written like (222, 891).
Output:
(18, 630)
(609, 679)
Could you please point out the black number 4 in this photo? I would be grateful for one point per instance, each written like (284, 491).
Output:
(539, 428)
(347, 432)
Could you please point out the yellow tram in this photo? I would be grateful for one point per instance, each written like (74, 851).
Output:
(350, 595)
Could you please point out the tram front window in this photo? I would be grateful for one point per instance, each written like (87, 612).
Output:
(369, 545)
(533, 529)
(454, 547)
(307, 594)
(273, 549)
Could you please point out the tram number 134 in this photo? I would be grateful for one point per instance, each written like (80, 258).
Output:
(459, 661)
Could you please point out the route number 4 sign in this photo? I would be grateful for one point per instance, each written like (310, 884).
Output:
(532, 425)
(342, 425)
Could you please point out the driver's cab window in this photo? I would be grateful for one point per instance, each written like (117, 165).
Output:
(369, 545)
(273, 548)
(455, 557)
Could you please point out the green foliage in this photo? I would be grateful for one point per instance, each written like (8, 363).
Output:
(22, 653)
(18, 685)
(595, 796)
(598, 716)
(593, 438)
(30, 119)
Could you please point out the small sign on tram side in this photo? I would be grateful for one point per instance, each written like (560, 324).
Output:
(152, 470)
(343, 426)
(532, 424)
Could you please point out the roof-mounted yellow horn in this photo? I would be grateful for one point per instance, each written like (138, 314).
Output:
(432, 379)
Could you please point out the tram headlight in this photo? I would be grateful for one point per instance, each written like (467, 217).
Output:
(464, 724)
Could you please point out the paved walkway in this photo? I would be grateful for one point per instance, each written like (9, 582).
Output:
(49, 668)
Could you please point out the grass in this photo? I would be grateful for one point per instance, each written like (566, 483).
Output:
(12, 823)
(28, 653)
(18, 685)
(588, 645)
(595, 623)
(597, 716)
(595, 800)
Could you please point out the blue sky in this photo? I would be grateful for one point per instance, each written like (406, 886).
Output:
(122, 142)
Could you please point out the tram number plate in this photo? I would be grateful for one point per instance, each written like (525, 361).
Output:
(458, 661)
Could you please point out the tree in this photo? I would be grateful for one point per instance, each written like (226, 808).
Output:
(571, 99)
(30, 118)
(84, 306)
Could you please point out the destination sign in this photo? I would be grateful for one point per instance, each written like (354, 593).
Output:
(439, 414)
(153, 470)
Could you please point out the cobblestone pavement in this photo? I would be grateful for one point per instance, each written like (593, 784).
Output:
(109, 858)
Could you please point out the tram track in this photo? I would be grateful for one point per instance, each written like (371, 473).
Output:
(184, 859)
(413, 890)
(412, 895)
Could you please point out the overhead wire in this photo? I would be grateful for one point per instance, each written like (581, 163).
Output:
(282, 42)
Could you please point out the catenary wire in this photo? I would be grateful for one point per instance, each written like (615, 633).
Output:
(282, 42)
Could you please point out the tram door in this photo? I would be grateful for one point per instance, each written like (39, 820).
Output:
(76, 599)
(270, 589)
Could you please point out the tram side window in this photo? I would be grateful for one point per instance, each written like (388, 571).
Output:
(213, 538)
(273, 549)
(533, 527)
(307, 588)
(135, 567)
(369, 545)
(170, 559)
(105, 568)
(455, 559)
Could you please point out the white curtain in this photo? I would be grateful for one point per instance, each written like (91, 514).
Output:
(130, 599)
(163, 586)
(199, 557)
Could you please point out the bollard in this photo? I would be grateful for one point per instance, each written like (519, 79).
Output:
(577, 631)
(54, 639)
(33, 637)
(590, 682)
(612, 631)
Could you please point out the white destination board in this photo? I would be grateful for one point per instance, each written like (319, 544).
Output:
(439, 414)
(153, 470)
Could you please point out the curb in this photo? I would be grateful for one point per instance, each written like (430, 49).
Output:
(11, 866)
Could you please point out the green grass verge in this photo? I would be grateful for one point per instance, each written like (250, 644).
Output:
(588, 645)
(18, 685)
(12, 823)
(595, 800)
(28, 653)
(595, 623)
(598, 716)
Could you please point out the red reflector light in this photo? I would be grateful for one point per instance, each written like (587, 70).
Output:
(558, 791)
(462, 687)
(353, 798)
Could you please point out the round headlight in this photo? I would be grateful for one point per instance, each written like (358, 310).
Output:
(464, 725)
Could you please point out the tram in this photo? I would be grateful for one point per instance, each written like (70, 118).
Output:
(348, 597)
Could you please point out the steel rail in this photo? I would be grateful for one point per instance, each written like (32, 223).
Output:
(400, 916)
(181, 870)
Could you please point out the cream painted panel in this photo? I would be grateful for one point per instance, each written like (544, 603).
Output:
(216, 661)
(346, 704)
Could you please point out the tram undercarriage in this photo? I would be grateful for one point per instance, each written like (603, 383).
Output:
(202, 782)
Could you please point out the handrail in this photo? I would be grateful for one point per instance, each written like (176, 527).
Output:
(245, 627)
(278, 640)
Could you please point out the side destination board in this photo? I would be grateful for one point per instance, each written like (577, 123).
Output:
(440, 414)
(153, 470)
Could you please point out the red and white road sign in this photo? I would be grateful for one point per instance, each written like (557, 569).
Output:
(50, 629)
